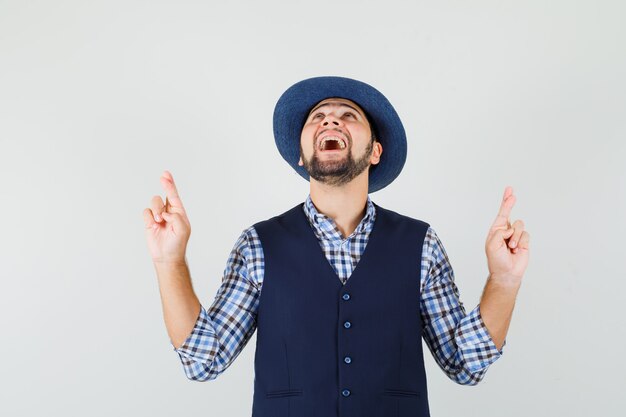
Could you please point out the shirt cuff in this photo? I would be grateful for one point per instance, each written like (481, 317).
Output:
(477, 346)
(201, 345)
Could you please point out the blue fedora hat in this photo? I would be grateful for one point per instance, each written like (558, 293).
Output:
(293, 108)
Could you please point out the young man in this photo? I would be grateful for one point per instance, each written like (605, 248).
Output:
(340, 289)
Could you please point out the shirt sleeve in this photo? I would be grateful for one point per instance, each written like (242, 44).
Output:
(221, 332)
(459, 342)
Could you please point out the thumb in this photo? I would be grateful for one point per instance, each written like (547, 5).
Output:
(508, 233)
(176, 220)
(499, 234)
(169, 217)
(495, 241)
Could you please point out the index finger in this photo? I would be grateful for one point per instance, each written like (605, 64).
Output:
(508, 200)
(172, 198)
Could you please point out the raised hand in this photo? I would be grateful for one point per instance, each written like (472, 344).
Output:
(507, 245)
(167, 225)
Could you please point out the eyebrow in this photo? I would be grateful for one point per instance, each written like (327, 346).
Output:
(336, 102)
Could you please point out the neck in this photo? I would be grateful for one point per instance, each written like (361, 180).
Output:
(346, 205)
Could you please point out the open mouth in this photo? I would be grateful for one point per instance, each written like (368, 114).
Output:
(332, 143)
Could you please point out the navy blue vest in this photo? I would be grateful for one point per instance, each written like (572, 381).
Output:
(325, 349)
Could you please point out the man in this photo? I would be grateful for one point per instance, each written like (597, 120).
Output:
(340, 289)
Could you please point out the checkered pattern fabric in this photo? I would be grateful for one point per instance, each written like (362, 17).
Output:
(459, 342)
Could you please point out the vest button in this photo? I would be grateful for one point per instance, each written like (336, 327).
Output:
(346, 296)
(345, 392)
(347, 325)
(347, 359)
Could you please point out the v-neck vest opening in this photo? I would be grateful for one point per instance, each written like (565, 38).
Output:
(372, 240)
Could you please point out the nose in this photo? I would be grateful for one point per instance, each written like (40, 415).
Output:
(330, 118)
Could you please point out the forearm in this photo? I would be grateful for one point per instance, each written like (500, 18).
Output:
(496, 306)
(181, 307)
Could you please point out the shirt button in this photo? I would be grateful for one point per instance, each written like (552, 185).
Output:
(347, 359)
(345, 392)
(347, 325)
(346, 296)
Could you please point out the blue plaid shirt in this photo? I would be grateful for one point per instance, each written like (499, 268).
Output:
(459, 342)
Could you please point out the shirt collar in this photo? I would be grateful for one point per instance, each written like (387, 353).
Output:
(326, 227)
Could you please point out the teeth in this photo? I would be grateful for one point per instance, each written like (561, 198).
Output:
(342, 144)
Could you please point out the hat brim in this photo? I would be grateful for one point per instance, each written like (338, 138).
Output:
(293, 106)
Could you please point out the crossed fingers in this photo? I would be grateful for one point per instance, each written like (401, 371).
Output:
(520, 238)
(173, 203)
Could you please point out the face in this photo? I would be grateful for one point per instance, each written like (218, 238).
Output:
(336, 142)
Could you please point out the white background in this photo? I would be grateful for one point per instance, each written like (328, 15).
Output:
(97, 98)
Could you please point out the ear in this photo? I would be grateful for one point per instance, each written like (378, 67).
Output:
(300, 161)
(377, 150)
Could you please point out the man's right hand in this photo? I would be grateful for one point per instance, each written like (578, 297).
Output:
(167, 225)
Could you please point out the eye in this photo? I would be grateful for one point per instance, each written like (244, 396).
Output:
(318, 114)
(349, 114)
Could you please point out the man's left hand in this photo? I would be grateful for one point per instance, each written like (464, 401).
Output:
(507, 245)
